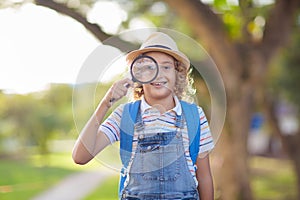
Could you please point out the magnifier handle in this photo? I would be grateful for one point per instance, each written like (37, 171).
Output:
(127, 85)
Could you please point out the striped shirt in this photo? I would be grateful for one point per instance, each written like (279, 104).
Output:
(155, 122)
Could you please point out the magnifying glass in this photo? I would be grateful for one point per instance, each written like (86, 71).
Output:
(143, 69)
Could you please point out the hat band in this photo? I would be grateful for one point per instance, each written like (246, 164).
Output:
(159, 46)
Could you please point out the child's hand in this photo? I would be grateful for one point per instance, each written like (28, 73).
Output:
(117, 91)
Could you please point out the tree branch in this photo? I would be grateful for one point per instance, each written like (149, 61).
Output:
(93, 28)
(278, 26)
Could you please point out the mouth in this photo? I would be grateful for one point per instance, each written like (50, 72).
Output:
(158, 84)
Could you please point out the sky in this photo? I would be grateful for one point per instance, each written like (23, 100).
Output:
(38, 46)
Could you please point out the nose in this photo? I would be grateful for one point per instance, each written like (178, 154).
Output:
(160, 73)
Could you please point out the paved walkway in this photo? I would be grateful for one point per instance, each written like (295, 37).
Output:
(75, 186)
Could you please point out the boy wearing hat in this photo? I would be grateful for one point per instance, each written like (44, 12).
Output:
(160, 164)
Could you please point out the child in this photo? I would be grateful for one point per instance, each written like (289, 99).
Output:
(160, 164)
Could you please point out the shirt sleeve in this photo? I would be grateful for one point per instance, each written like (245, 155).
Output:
(206, 139)
(111, 126)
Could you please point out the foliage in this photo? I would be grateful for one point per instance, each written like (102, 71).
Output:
(246, 18)
(289, 77)
(34, 119)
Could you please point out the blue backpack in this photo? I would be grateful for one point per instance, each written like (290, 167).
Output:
(129, 117)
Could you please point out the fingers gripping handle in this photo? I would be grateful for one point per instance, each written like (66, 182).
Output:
(112, 100)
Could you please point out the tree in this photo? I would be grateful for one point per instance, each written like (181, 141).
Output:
(243, 61)
(34, 119)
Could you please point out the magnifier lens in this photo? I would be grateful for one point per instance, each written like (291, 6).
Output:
(144, 69)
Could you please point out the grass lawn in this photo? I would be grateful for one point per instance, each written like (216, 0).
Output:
(106, 191)
(22, 180)
(273, 179)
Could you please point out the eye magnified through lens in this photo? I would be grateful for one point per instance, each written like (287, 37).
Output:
(144, 69)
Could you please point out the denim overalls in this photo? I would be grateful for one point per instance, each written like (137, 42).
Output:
(159, 169)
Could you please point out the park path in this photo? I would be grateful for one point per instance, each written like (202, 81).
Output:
(76, 186)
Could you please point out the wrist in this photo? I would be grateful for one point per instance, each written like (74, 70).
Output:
(102, 108)
(107, 103)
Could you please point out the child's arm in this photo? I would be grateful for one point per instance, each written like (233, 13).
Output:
(204, 177)
(91, 141)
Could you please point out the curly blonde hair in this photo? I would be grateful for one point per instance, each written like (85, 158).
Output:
(183, 86)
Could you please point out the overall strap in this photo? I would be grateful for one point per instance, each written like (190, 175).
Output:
(192, 118)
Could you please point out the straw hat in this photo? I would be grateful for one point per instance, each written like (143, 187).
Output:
(163, 43)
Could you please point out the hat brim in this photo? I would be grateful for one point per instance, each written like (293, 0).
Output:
(176, 54)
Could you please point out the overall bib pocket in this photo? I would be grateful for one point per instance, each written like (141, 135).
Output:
(159, 157)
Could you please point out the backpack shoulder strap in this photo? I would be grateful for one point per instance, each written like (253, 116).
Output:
(128, 120)
(191, 115)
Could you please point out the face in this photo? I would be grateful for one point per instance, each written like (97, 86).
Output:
(163, 86)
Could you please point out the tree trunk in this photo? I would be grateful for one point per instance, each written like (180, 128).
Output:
(239, 113)
(231, 171)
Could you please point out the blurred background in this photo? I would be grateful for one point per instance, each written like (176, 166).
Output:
(254, 43)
